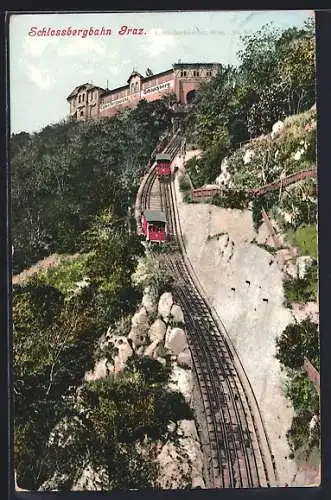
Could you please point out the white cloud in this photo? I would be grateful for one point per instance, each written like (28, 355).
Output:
(36, 46)
(82, 46)
(40, 77)
(157, 42)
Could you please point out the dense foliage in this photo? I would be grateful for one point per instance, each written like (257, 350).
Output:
(55, 330)
(275, 79)
(297, 342)
(112, 421)
(72, 185)
(70, 172)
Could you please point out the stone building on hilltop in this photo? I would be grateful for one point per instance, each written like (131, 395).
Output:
(89, 101)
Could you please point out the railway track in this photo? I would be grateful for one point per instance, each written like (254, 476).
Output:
(237, 450)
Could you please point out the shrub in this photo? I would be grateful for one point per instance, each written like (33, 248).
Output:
(184, 184)
(232, 199)
(297, 341)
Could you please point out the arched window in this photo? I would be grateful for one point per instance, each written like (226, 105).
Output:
(79, 98)
(82, 113)
(83, 97)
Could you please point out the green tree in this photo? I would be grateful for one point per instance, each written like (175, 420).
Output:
(297, 341)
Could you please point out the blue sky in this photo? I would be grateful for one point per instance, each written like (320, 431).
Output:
(44, 69)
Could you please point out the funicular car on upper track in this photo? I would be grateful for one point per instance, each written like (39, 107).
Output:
(154, 225)
(163, 165)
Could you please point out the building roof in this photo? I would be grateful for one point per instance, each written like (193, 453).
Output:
(76, 89)
(114, 91)
(157, 75)
(134, 73)
(195, 65)
(162, 156)
(89, 86)
(155, 216)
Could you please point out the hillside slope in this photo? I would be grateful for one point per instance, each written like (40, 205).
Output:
(243, 273)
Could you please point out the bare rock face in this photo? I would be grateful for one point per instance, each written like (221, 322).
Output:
(149, 300)
(176, 315)
(165, 304)
(184, 359)
(181, 464)
(124, 352)
(175, 340)
(172, 468)
(157, 331)
(187, 428)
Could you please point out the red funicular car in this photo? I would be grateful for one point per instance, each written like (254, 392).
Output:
(154, 225)
(163, 162)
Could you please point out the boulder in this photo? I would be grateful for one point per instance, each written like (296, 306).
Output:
(138, 337)
(177, 315)
(164, 306)
(181, 380)
(248, 156)
(149, 300)
(124, 353)
(175, 340)
(138, 332)
(140, 319)
(184, 359)
(187, 428)
(157, 331)
(276, 129)
(151, 349)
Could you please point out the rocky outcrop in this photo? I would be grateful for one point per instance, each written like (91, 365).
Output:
(175, 340)
(184, 359)
(139, 329)
(176, 315)
(181, 380)
(124, 350)
(165, 305)
(151, 350)
(180, 458)
(157, 331)
(181, 463)
(276, 129)
(149, 300)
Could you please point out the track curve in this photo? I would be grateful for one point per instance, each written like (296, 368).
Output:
(239, 454)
